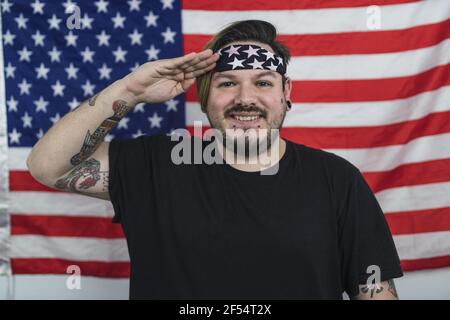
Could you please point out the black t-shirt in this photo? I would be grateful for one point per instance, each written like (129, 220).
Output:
(199, 231)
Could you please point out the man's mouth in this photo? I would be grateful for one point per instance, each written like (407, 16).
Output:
(245, 119)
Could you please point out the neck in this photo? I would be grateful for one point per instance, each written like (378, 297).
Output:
(255, 163)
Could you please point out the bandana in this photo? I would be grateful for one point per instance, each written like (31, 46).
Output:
(244, 56)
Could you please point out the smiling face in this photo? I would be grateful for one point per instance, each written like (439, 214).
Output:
(247, 99)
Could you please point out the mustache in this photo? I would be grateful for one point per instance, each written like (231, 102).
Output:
(242, 108)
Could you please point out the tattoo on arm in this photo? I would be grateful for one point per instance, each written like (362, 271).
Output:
(92, 100)
(93, 140)
(84, 177)
(391, 288)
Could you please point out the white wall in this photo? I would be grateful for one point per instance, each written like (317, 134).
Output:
(433, 284)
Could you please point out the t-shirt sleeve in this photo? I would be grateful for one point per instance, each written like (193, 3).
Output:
(364, 236)
(129, 167)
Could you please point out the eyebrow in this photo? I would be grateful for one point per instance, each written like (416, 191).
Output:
(231, 76)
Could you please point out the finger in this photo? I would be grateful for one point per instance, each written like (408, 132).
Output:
(188, 59)
(199, 72)
(203, 64)
(200, 57)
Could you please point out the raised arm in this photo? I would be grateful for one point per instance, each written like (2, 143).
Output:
(72, 155)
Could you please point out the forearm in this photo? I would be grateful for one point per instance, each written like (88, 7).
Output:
(79, 133)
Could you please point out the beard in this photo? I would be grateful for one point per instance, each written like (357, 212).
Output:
(247, 142)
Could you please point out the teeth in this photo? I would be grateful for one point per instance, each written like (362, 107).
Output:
(246, 118)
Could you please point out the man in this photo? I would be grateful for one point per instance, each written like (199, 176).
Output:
(311, 229)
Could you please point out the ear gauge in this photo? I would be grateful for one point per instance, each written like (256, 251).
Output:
(289, 104)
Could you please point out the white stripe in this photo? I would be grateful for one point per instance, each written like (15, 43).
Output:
(426, 148)
(423, 245)
(393, 17)
(369, 66)
(17, 158)
(70, 248)
(58, 203)
(413, 198)
(352, 114)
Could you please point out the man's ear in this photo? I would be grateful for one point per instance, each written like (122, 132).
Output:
(287, 88)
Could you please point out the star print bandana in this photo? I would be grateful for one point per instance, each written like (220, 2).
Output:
(240, 57)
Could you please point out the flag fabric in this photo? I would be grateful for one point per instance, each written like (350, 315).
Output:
(370, 83)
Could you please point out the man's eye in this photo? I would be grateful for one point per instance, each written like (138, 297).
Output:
(265, 83)
(225, 84)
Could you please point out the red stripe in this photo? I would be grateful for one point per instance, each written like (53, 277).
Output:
(369, 136)
(65, 226)
(419, 221)
(433, 171)
(362, 90)
(23, 181)
(349, 42)
(428, 263)
(59, 266)
(240, 5)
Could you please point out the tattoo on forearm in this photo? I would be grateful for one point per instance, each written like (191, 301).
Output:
(391, 288)
(93, 140)
(92, 100)
(83, 177)
(373, 288)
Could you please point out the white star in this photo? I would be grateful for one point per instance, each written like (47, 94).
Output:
(74, 103)
(135, 37)
(137, 134)
(103, 39)
(12, 104)
(21, 21)
(256, 64)
(236, 63)
(167, 4)
(41, 105)
(87, 55)
(10, 69)
(54, 22)
(272, 66)
(280, 61)
(151, 19)
(109, 137)
(152, 53)
(71, 39)
(88, 88)
(172, 105)
(38, 38)
(104, 71)
(42, 71)
(120, 54)
(139, 107)
(58, 89)
(233, 50)
(68, 6)
(251, 51)
(118, 21)
(54, 55)
(71, 71)
(269, 55)
(24, 54)
(169, 35)
(24, 87)
(123, 123)
(136, 65)
(6, 6)
(38, 7)
(86, 22)
(155, 120)
(26, 119)
(55, 118)
(134, 5)
(8, 38)
(101, 6)
(14, 136)
(40, 134)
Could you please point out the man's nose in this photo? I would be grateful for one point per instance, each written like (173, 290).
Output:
(246, 95)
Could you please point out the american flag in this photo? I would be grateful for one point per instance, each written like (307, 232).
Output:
(370, 83)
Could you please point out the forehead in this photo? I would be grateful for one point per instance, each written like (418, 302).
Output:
(244, 73)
